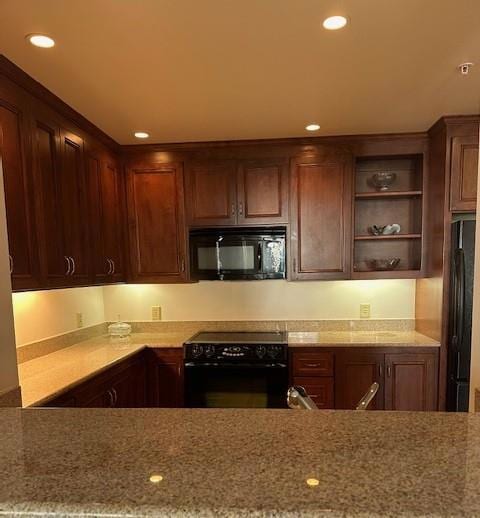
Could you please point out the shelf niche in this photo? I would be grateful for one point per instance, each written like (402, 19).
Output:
(401, 203)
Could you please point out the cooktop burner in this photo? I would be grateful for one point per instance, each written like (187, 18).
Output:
(238, 337)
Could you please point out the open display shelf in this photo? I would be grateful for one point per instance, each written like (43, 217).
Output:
(402, 204)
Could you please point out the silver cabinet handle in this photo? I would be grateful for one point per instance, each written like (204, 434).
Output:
(10, 259)
(110, 396)
(240, 208)
(68, 265)
(380, 370)
(233, 209)
(294, 264)
(312, 365)
(115, 397)
(73, 265)
(113, 266)
(389, 370)
(109, 266)
(182, 265)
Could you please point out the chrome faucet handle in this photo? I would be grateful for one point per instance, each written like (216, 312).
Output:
(367, 398)
(298, 399)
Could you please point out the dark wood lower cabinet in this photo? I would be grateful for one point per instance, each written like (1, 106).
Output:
(122, 386)
(319, 389)
(408, 377)
(411, 381)
(355, 371)
(165, 377)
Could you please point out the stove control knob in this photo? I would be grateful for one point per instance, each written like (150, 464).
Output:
(209, 350)
(197, 350)
(260, 351)
(274, 351)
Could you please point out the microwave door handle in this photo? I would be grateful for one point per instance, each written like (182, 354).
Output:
(217, 254)
(259, 256)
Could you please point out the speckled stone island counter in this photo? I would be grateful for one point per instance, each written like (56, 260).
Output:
(184, 462)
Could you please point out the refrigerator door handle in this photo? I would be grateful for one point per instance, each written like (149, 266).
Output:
(459, 310)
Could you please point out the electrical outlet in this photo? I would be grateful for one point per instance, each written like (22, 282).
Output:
(156, 313)
(365, 310)
(79, 317)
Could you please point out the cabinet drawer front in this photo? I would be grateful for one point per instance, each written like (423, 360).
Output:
(319, 389)
(312, 364)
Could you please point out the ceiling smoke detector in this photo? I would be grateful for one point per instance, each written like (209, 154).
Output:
(465, 68)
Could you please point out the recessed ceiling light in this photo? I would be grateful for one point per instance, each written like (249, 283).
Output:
(141, 134)
(312, 482)
(40, 40)
(312, 127)
(333, 23)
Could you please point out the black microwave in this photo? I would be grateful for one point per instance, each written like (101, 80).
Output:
(237, 254)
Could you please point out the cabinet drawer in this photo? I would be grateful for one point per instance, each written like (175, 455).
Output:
(319, 389)
(312, 364)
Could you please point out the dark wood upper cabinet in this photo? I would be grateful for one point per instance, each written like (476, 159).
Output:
(355, 371)
(156, 222)
(211, 193)
(62, 214)
(14, 157)
(464, 173)
(106, 208)
(321, 217)
(227, 193)
(262, 192)
(411, 381)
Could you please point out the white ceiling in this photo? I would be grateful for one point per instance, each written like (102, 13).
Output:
(190, 70)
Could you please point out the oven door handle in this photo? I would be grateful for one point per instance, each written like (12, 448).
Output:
(190, 365)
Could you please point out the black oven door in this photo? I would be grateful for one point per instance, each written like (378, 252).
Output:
(220, 385)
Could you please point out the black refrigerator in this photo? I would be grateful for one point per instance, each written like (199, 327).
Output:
(460, 317)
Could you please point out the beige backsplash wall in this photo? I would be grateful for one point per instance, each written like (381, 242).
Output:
(43, 314)
(262, 300)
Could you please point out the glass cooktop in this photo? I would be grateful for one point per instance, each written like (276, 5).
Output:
(238, 337)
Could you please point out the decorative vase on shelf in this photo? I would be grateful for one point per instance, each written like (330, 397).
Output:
(382, 181)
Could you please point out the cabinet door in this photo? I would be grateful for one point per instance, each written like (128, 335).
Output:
(165, 378)
(129, 387)
(355, 371)
(211, 194)
(262, 192)
(61, 206)
(319, 389)
(105, 198)
(24, 261)
(55, 265)
(321, 221)
(74, 214)
(411, 381)
(464, 173)
(156, 223)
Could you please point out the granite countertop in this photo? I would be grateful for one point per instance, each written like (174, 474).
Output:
(54, 373)
(361, 339)
(49, 375)
(185, 462)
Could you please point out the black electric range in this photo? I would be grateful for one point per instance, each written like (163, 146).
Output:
(236, 370)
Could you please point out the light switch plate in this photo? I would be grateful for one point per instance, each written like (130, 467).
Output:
(156, 313)
(365, 310)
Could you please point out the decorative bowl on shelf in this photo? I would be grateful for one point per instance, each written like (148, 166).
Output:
(382, 181)
(384, 264)
(385, 230)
